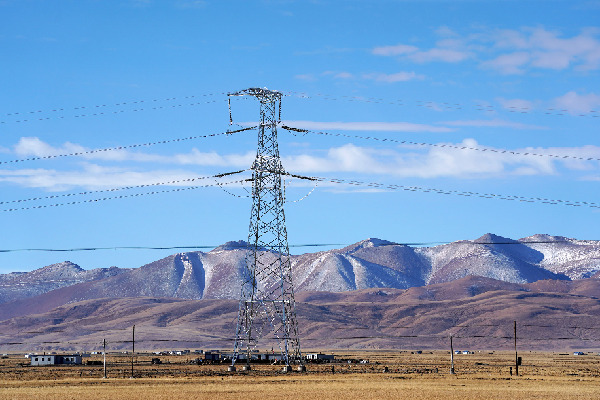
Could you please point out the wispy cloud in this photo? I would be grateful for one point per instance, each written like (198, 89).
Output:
(516, 104)
(402, 76)
(571, 102)
(339, 74)
(91, 177)
(540, 48)
(492, 123)
(451, 49)
(440, 160)
(578, 103)
(34, 147)
(306, 77)
(506, 51)
(512, 63)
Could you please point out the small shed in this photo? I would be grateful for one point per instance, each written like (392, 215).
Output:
(212, 356)
(53, 359)
(319, 357)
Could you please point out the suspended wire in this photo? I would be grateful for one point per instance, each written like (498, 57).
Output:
(108, 113)
(122, 188)
(460, 193)
(336, 338)
(247, 246)
(230, 193)
(441, 105)
(92, 110)
(115, 197)
(194, 246)
(109, 149)
(441, 145)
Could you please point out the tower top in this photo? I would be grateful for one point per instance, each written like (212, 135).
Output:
(258, 92)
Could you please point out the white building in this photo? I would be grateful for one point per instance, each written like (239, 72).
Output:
(319, 356)
(46, 359)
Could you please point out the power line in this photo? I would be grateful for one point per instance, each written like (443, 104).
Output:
(127, 146)
(195, 246)
(441, 145)
(337, 338)
(121, 188)
(443, 105)
(29, 116)
(118, 197)
(235, 246)
(460, 193)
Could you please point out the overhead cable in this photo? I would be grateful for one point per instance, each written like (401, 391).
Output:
(88, 111)
(460, 193)
(123, 188)
(443, 105)
(118, 197)
(80, 153)
(442, 145)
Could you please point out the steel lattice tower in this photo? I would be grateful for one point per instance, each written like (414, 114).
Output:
(267, 310)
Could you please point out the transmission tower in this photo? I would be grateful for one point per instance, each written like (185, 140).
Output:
(267, 310)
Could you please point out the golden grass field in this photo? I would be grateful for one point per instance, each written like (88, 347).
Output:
(411, 376)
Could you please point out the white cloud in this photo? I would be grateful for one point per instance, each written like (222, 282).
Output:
(507, 51)
(396, 77)
(306, 77)
(367, 126)
(338, 74)
(448, 50)
(34, 147)
(396, 50)
(439, 54)
(492, 123)
(91, 177)
(343, 75)
(213, 159)
(442, 161)
(512, 63)
(578, 103)
(516, 104)
(540, 48)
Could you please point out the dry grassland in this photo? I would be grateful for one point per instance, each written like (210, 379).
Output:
(411, 376)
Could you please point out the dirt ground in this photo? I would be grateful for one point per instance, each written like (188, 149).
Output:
(387, 375)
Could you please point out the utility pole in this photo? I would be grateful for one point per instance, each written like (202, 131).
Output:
(516, 355)
(104, 353)
(451, 356)
(132, 349)
(267, 295)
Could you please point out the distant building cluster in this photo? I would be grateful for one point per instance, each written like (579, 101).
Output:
(218, 356)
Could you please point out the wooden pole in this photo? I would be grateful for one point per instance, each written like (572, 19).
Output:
(104, 352)
(132, 349)
(516, 354)
(451, 356)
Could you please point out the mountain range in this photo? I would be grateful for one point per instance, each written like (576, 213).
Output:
(373, 286)
(478, 312)
(371, 263)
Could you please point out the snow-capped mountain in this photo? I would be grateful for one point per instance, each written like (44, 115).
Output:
(371, 263)
(18, 285)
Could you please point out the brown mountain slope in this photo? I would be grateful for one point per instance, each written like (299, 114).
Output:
(370, 318)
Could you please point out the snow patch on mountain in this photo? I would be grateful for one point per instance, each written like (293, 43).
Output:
(371, 263)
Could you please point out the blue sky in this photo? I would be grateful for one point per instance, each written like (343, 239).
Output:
(514, 77)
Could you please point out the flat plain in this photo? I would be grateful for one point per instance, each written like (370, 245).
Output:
(482, 375)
